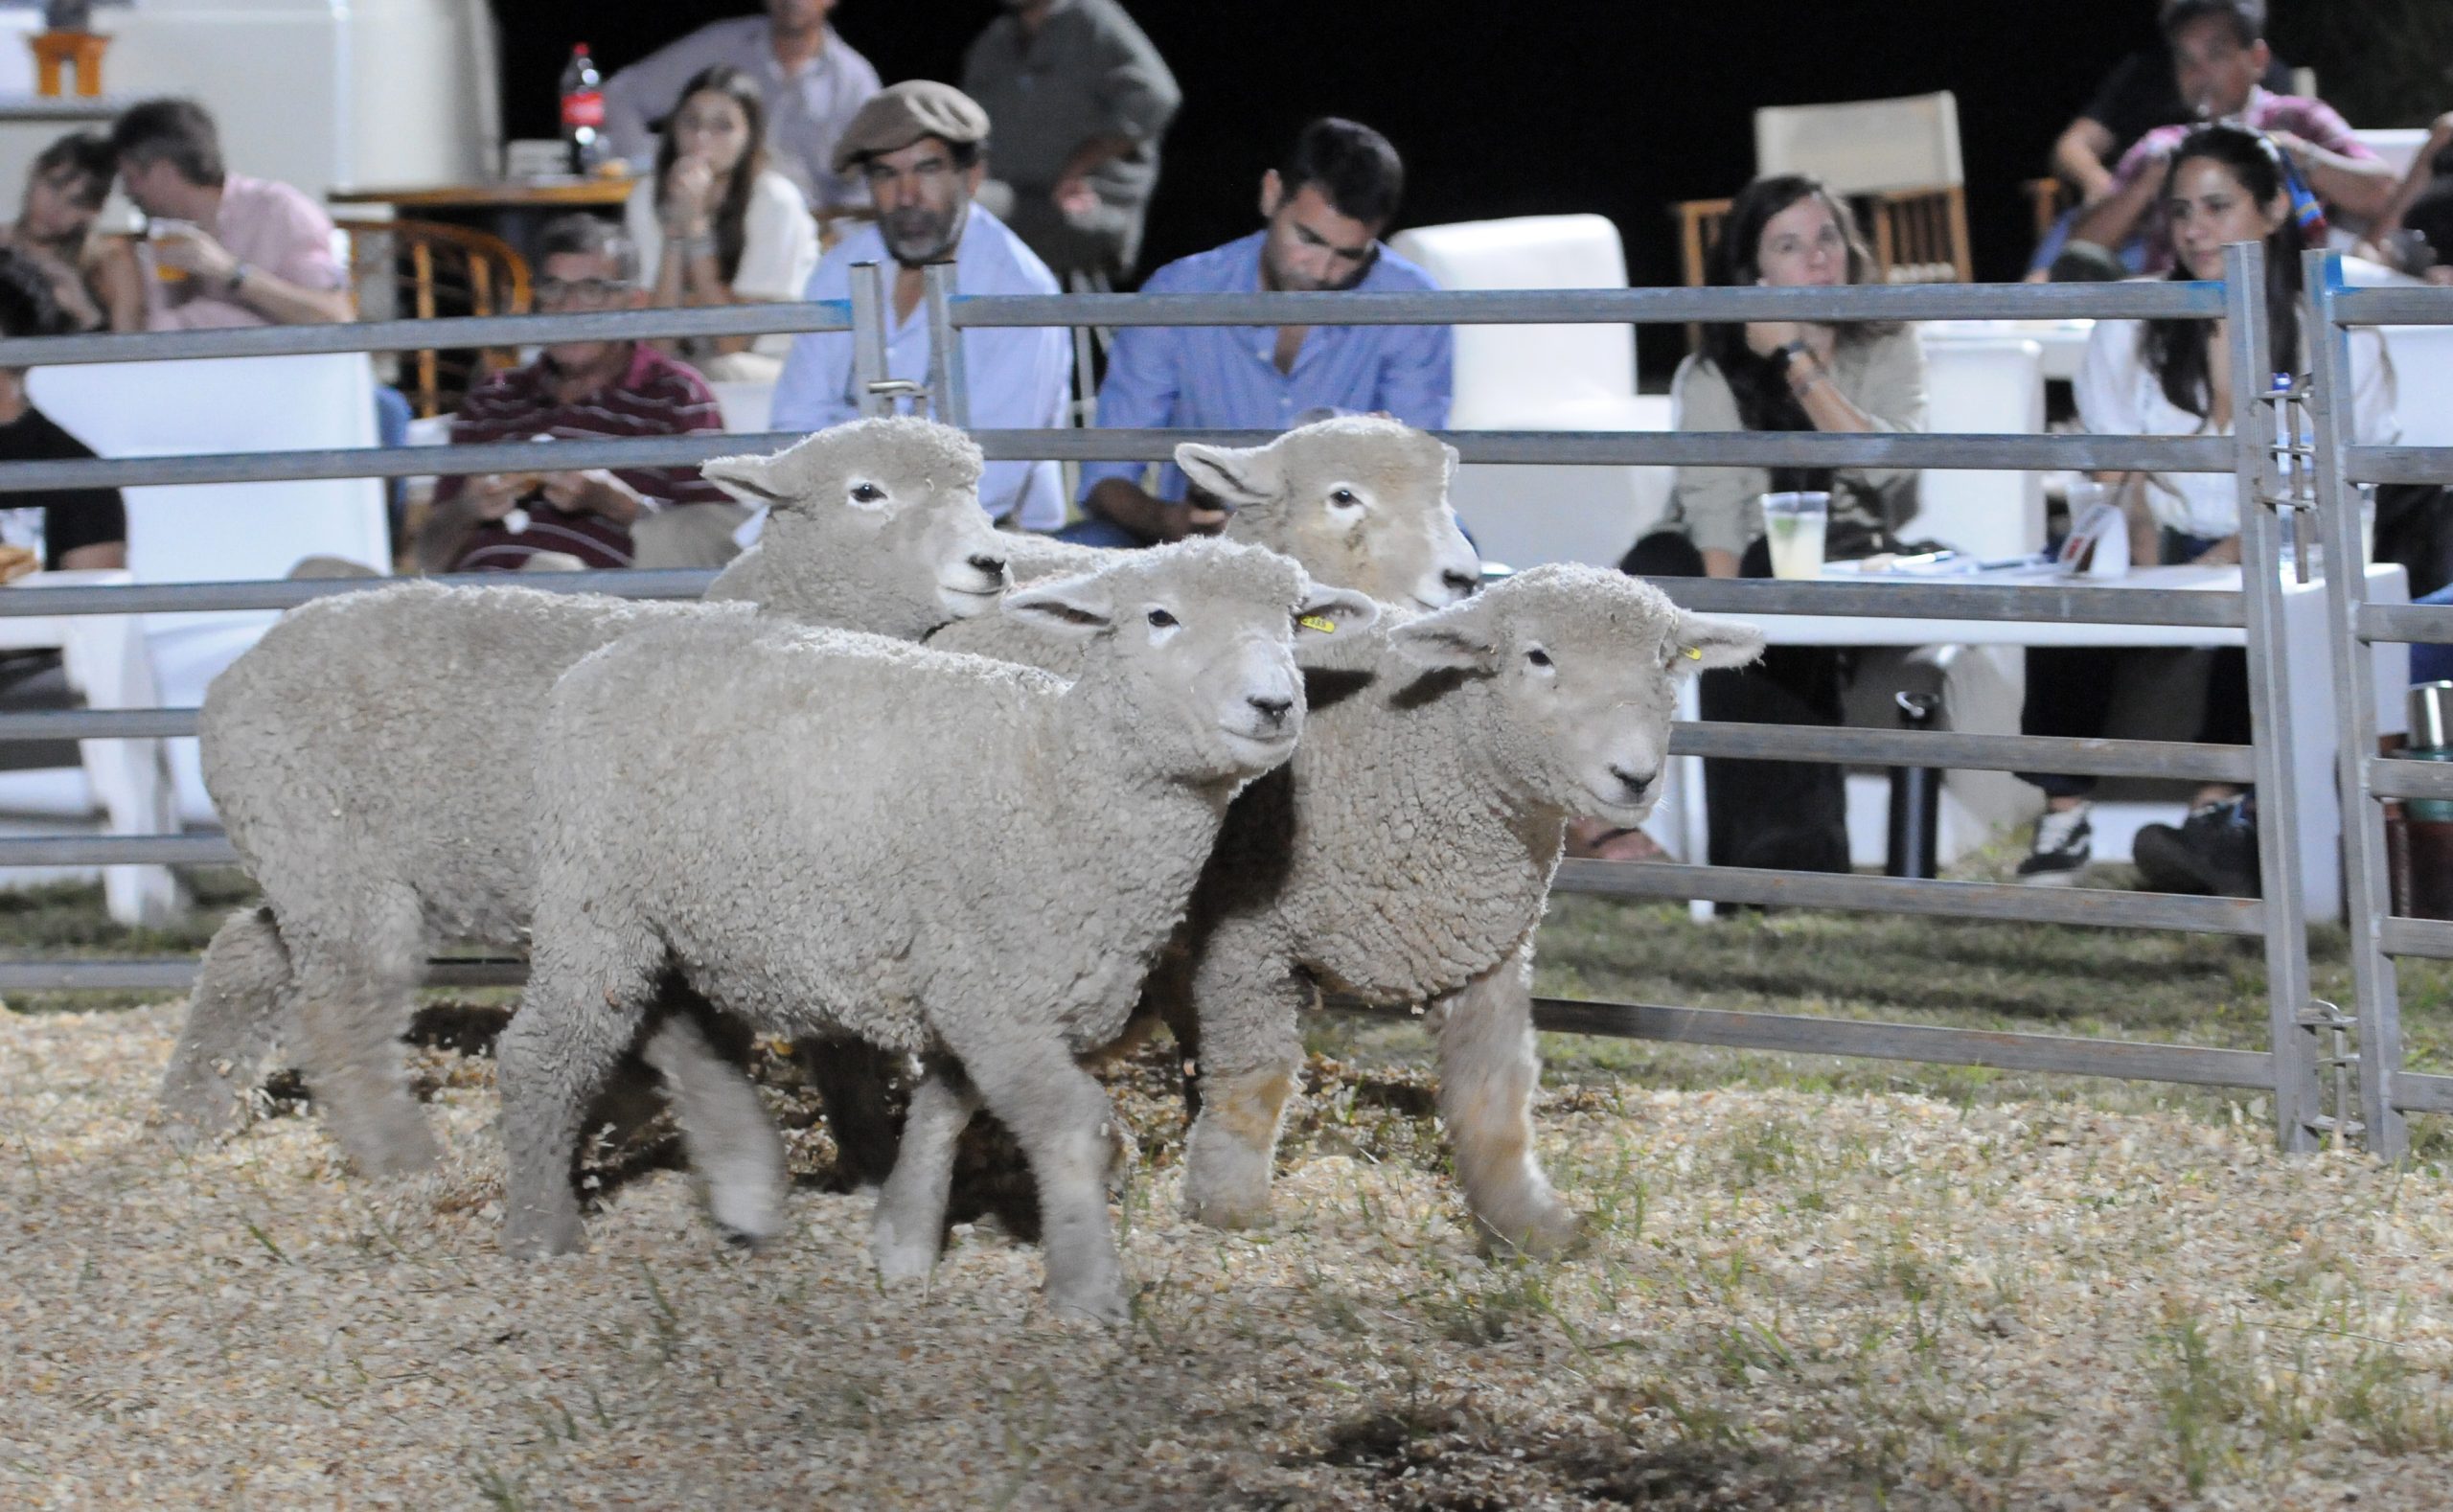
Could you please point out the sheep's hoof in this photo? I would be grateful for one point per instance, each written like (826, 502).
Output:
(903, 1260)
(532, 1236)
(746, 1220)
(1093, 1301)
(1552, 1233)
(1218, 1212)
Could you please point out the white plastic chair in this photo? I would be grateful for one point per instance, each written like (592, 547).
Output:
(1545, 378)
(225, 532)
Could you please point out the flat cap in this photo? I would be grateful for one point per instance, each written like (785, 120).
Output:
(896, 117)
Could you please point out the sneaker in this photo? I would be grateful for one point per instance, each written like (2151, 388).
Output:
(2213, 851)
(2064, 842)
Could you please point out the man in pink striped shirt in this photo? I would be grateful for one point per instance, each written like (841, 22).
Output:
(221, 249)
(580, 391)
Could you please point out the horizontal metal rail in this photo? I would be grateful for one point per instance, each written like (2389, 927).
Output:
(174, 597)
(758, 319)
(118, 849)
(1959, 600)
(2398, 777)
(1858, 746)
(2432, 938)
(2422, 623)
(1957, 751)
(1952, 899)
(2416, 1092)
(1527, 307)
(2393, 307)
(1448, 306)
(2141, 1061)
(2397, 464)
(1563, 448)
(177, 974)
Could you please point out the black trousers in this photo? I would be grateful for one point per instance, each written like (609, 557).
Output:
(1786, 815)
(2070, 693)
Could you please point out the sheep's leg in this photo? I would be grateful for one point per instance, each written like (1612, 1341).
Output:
(1488, 1072)
(355, 994)
(732, 1144)
(855, 1082)
(1249, 1049)
(1060, 1115)
(588, 994)
(241, 991)
(910, 1220)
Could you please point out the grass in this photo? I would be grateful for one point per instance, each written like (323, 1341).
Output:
(2034, 979)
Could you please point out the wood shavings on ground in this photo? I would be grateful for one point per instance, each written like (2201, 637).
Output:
(1791, 1299)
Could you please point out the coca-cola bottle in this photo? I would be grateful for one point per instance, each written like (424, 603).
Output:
(582, 111)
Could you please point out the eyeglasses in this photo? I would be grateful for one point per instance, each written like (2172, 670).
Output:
(580, 290)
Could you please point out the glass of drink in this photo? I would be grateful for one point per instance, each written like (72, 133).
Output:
(1795, 524)
(161, 228)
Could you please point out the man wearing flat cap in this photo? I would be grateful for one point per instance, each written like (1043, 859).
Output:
(919, 145)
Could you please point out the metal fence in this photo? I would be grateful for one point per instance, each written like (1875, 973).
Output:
(2316, 1082)
(2388, 1092)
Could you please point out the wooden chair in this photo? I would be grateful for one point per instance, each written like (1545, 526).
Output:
(1897, 161)
(425, 269)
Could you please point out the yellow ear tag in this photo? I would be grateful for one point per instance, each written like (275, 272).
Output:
(1326, 627)
(1693, 653)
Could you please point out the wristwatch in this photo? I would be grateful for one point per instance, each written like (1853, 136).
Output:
(1790, 352)
(239, 272)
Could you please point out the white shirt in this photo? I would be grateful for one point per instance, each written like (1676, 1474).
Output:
(1020, 378)
(2119, 395)
(806, 111)
(779, 245)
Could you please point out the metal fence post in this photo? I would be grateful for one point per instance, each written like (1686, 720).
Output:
(868, 338)
(2298, 1098)
(2367, 900)
(949, 383)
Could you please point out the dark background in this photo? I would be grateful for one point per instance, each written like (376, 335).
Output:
(1619, 106)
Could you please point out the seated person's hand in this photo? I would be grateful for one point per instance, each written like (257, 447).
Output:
(496, 494)
(1075, 199)
(687, 188)
(1199, 515)
(594, 492)
(2224, 553)
(197, 253)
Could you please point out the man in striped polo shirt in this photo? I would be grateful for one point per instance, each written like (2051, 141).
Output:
(580, 391)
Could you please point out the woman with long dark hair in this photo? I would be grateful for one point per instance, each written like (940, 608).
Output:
(715, 225)
(2165, 378)
(1787, 231)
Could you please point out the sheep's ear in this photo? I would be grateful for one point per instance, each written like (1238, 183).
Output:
(1697, 645)
(746, 478)
(1448, 479)
(1232, 475)
(1335, 611)
(1080, 606)
(1459, 638)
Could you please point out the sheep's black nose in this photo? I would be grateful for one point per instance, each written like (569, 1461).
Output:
(1273, 710)
(994, 567)
(1464, 583)
(1637, 782)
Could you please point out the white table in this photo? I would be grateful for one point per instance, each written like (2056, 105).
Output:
(2063, 342)
(104, 658)
(2307, 642)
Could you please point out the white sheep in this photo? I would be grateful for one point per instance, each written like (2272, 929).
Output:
(1404, 856)
(1360, 501)
(940, 854)
(373, 759)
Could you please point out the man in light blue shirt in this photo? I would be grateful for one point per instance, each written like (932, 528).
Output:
(918, 144)
(1325, 207)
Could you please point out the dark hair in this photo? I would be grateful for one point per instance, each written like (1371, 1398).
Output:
(732, 213)
(1355, 167)
(90, 154)
(1760, 385)
(2175, 350)
(178, 131)
(583, 234)
(2246, 17)
(28, 306)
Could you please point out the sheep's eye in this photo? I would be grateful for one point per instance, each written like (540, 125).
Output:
(1538, 657)
(866, 492)
(1160, 619)
(1345, 496)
